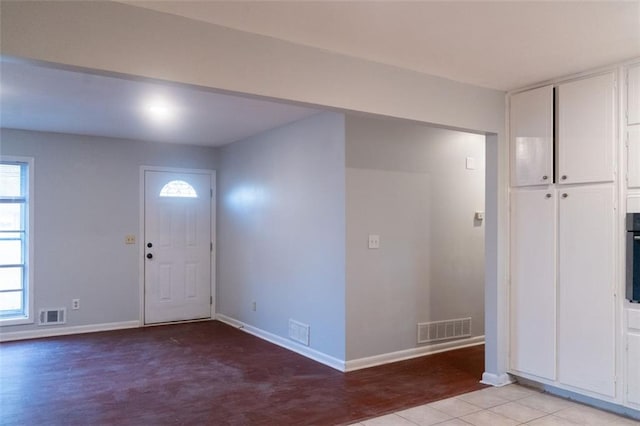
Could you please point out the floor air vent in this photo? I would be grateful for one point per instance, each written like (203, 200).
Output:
(444, 330)
(52, 316)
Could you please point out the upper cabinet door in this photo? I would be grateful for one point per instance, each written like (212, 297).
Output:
(586, 130)
(633, 95)
(633, 157)
(531, 135)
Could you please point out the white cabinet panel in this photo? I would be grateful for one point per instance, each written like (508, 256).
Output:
(533, 278)
(633, 95)
(531, 137)
(586, 130)
(633, 158)
(586, 326)
(633, 368)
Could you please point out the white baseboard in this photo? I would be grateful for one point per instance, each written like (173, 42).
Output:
(63, 331)
(285, 343)
(496, 379)
(372, 361)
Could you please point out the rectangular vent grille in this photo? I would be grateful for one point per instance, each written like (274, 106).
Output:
(444, 330)
(299, 332)
(52, 316)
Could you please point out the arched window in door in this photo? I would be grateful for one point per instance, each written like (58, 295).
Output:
(178, 188)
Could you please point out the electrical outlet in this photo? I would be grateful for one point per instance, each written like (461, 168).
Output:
(75, 304)
(374, 241)
(130, 239)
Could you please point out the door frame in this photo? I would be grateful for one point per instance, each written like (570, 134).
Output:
(141, 235)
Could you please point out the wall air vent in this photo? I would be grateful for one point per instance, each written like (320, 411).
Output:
(435, 331)
(52, 316)
(299, 332)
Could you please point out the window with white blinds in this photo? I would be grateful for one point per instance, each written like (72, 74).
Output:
(15, 247)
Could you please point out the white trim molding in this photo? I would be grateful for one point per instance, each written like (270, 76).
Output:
(64, 331)
(313, 354)
(356, 364)
(496, 380)
(372, 361)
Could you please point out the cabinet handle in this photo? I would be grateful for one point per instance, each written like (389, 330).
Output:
(545, 177)
(564, 177)
(565, 195)
(547, 196)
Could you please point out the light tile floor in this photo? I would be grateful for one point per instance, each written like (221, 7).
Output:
(504, 406)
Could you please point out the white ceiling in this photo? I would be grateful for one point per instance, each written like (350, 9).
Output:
(502, 45)
(47, 99)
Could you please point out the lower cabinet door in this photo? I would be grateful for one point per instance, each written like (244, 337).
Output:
(633, 157)
(633, 368)
(533, 282)
(586, 308)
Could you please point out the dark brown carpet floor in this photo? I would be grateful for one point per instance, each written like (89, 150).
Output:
(209, 373)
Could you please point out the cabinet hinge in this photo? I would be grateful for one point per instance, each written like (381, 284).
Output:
(211, 246)
(211, 192)
(210, 300)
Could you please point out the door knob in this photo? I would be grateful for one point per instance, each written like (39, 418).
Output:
(149, 256)
(149, 245)
(565, 195)
(564, 177)
(545, 177)
(547, 196)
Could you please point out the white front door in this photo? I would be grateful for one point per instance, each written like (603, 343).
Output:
(177, 246)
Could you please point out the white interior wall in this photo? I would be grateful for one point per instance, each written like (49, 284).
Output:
(86, 200)
(162, 46)
(409, 183)
(281, 230)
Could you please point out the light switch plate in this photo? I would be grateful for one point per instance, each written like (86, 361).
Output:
(471, 163)
(374, 241)
(130, 239)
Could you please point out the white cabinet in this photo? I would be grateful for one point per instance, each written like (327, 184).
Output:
(633, 356)
(586, 130)
(586, 272)
(563, 233)
(562, 243)
(633, 368)
(531, 136)
(633, 95)
(533, 282)
(633, 156)
(585, 133)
